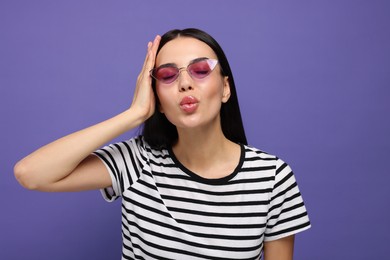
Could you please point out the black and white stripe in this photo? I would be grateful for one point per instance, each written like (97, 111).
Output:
(168, 212)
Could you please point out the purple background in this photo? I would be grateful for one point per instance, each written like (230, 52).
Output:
(313, 82)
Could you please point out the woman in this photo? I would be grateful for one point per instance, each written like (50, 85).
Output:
(191, 187)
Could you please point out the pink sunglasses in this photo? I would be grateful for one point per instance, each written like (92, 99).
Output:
(197, 69)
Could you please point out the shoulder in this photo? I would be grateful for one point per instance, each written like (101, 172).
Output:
(140, 144)
(257, 157)
(253, 153)
(148, 153)
(134, 149)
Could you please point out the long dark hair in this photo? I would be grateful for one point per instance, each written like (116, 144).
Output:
(159, 132)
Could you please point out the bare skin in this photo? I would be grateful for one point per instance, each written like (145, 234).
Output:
(67, 164)
(280, 249)
(202, 146)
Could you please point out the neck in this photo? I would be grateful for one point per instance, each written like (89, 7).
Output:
(203, 149)
(198, 144)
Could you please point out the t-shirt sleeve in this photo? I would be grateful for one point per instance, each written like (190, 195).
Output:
(124, 162)
(287, 213)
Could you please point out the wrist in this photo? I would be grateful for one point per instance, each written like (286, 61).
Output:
(134, 117)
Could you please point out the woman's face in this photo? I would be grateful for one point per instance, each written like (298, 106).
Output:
(188, 102)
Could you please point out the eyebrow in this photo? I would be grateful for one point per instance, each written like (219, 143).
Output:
(175, 65)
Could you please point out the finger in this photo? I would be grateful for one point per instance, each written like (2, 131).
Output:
(153, 49)
(150, 56)
(147, 55)
(153, 52)
(156, 43)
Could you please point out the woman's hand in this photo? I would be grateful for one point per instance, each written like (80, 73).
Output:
(144, 100)
(66, 164)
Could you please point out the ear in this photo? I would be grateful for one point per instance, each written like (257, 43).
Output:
(226, 89)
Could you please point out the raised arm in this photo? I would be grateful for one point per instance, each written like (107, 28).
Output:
(67, 164)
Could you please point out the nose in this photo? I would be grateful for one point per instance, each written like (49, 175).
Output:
(185, 80)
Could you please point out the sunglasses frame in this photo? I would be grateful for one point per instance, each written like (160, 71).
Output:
(211, 62)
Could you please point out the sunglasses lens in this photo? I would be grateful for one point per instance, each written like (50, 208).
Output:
(200, 69)
(166, 74)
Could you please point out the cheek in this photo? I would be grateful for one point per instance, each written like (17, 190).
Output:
(215, 92)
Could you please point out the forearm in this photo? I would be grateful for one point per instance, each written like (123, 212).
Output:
(58, 159)
(50, 168)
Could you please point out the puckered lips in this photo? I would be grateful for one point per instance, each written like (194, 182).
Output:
(189, 104)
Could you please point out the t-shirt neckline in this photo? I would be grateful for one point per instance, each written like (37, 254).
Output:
(217, 181)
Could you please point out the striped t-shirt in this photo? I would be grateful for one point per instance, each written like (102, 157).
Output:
(169, 212)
